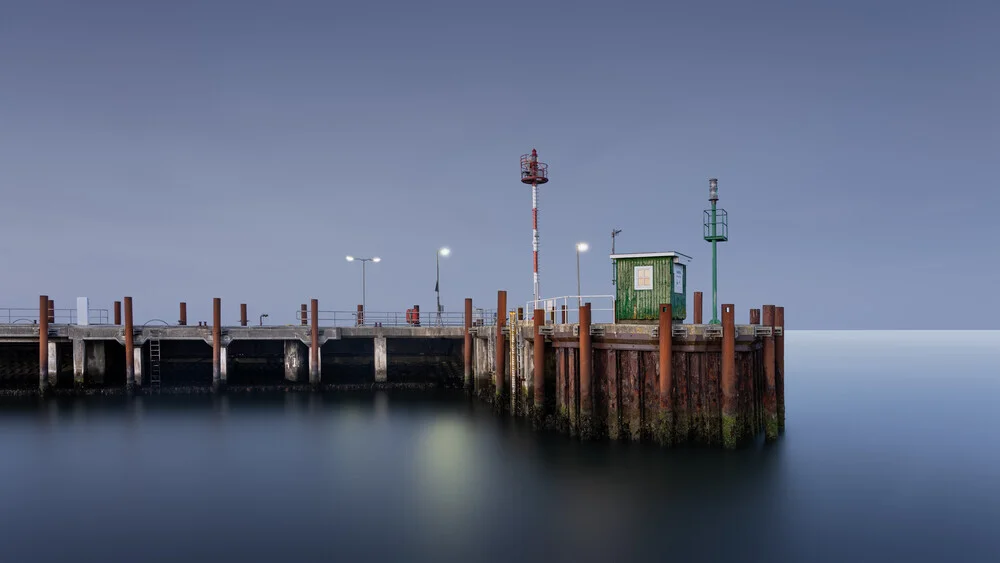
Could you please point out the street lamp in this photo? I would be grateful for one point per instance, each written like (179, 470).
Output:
(261, 320)
(364, 261)
(580, 247)
(437, 285)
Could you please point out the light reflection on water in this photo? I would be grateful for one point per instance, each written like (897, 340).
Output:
(890, 454)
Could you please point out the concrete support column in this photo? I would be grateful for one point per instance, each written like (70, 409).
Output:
(53, 364)
(79, 361)
(770, 393)
(482, 361)
(779, 370)
(538, 363)
(223, 364)
(731, 431)
(137, 363)
(96, 367)
(43, 344)
(697, 307)
(665, 424)
(467, 349)
(381, 359)
(586, 359)
(295, 360)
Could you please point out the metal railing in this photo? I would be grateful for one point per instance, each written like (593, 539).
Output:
(602, 308)
(25, 315)
(401, 318)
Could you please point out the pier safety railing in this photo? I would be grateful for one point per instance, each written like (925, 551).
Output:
(403, 319)
(602, 308)
(21, 315)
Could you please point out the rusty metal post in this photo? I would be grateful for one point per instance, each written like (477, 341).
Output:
(118, 313)
(43, 344)
(243, 314)
(183, 318)
(520, 313)
(360, 316)
(563, 314)
(586, 359)
(755, 316)
(467, 349)
(731, 431)
(216, 343)
(552, 316)
(538, 350)
(314, 357)
(304, 315)
(770, 395)
(500, 355)
(416, 314)
(52, 312)
(779, 371)
(664, 429)
(129, 347)
(697, 307)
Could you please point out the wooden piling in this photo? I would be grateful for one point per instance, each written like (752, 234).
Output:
(314, 356)
(779, 372)
(770, 396)
(216, 343)
(118, 313)
(586, 372)
(665, 424)
(243, 314)
(500, 349)
(731, 431)
(538, 373)
(129, 347)
(467, 349)
(43, 344)
(183, 320)
(697, 307)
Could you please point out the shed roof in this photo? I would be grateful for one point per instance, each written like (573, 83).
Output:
(682, 258)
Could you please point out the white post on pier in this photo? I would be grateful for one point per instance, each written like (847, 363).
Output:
(82, 311)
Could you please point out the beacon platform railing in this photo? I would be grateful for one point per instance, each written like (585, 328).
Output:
(602, 308)
(24, 315)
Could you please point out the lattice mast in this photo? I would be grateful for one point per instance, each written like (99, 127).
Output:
(534, 173)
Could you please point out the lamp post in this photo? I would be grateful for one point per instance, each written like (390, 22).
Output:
(261, 320)
(364, 261)
(437, 284)
(580, 247)
(716, 230)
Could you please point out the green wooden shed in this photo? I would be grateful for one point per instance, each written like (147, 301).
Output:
(643, 281)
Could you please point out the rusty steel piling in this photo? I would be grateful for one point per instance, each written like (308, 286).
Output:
(779, 371)
(697, 307)
(360, 315)
(52, 312)
(731, 432)
(538, 357)
(770, 398)
(500, 348)
(314, 357)
(243, 314)
(520, 313)
(303, 315)
(755, 316)
(129, 347)
(118, 313)
(586, 372)
(43, 344)
(665, 426)
(467, 345)
(563, 314)
(216, 343)
(183, 319)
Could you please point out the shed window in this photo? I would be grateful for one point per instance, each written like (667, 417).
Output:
(643, 277)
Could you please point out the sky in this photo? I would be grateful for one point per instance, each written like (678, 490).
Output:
(180, 151)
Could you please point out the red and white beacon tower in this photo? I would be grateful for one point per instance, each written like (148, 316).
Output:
(534, 173)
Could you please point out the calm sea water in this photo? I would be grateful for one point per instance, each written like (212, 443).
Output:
(892, 453)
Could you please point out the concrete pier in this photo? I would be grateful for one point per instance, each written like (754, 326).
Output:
(381, 360)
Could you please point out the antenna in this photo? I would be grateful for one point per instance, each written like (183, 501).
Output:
(614, 271)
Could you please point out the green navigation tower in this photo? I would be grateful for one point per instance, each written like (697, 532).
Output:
(716, 231)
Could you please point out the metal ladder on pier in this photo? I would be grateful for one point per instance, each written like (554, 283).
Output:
(154, 360)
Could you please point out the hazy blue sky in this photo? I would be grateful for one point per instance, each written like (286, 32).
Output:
(184, 150)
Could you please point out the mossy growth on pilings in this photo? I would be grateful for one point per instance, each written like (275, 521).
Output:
(663, 428)
(771, 428)
(731, 431)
